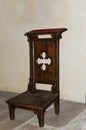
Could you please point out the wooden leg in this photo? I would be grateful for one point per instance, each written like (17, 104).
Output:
(11, 112)
(40, 115)
(56, 106)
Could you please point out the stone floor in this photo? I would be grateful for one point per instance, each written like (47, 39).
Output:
(72, 116)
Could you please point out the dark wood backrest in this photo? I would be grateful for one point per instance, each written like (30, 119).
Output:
(44, 57)
(44, 61)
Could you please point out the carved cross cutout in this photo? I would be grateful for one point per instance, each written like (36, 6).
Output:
(43, 61)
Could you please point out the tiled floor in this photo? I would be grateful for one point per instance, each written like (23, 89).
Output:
(72, 117)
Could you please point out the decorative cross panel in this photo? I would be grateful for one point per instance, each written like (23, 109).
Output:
(43, 61)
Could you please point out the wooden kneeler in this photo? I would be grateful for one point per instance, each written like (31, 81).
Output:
(44, 69)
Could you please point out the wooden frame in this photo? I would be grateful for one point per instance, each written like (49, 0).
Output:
(44, 69)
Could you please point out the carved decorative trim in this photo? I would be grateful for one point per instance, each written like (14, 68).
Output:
(43, 61)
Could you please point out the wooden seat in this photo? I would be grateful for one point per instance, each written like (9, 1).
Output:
(44, 69)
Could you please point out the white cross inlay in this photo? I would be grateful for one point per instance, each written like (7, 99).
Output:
(43, 61)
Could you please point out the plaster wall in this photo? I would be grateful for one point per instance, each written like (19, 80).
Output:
(20, 16)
